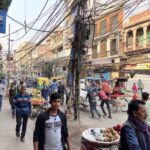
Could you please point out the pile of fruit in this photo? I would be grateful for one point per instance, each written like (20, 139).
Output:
(36, 97)
(109, 134)
(37, 100)
(117, 128)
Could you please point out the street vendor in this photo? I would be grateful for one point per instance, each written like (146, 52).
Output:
(45, 92)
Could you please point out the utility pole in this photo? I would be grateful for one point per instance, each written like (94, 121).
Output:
(8, 55)
(76, 54)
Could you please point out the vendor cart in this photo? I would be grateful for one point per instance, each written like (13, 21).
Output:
(37, 103)
(89, 141)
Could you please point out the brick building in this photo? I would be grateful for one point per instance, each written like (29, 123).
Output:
(137, 40)
(108, 39)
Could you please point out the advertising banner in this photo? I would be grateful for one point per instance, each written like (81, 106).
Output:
(3, 14)
(142, 66)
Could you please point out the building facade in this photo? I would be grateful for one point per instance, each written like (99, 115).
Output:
(137, 41)
(23, 59)
(108, 48)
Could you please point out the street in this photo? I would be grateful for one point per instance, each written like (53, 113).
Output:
(9, 141)
(74, 52)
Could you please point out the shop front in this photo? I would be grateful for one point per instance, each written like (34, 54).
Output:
(141, 68)
(106, 68)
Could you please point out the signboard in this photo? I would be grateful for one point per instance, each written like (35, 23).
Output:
(3, 14)
(114, 75)
(143, 66)
(101, 61)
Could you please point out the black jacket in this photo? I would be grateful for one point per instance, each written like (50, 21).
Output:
(39, 132)
(132, 138)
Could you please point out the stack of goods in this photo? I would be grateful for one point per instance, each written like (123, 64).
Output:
(36, 97)
(106, 135)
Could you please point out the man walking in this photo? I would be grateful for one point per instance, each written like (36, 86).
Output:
(23, 109)
(2, 90)
(51, 131)
(61, 91)
(145, 98)
(12, 94)
(93, 103)
(45, 93)
(105, 100)
(140, 85)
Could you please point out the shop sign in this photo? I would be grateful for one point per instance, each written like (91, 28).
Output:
(144, 66)
(117, 60)
(3, 14)
(101, 61)
(114, 75)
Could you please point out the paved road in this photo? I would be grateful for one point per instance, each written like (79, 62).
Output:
(8, 140)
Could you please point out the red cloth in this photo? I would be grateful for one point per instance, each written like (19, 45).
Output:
(106, 88)
(103, 95)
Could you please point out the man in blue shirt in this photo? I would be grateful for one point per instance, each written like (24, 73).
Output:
(23, 109)
(54, 86)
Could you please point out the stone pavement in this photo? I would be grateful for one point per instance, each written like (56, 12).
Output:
(8, 140)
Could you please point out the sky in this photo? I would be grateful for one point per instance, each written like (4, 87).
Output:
(29, 10)
(23, 10)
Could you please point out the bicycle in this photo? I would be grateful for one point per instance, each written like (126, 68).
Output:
(116, 103)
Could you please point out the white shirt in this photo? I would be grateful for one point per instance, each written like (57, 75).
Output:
(53, 134)
(2, 89)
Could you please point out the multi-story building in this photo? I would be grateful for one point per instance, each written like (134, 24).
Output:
(108, 38)
(41, 57)
(137, 41)
(60, 51)
(23, 59)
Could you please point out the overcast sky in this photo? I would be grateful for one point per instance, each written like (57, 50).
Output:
(32, 8)
(17, 10)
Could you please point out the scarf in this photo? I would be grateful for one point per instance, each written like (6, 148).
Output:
(143, 127)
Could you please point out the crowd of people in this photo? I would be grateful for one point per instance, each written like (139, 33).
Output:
(51, 131)
(55, 86)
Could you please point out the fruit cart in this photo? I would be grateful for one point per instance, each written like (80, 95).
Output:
(100, 138)
(37, 103)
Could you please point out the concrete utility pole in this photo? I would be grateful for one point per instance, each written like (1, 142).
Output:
(8, 55)
(76, 53)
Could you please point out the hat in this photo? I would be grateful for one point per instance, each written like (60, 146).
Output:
(54, 96)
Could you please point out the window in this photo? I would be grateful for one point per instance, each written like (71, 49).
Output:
(103, 52)
(140, 38)
(103, 27)
(94, 52)
(130, 39)
(114, 23)
(148, 36)
(60, 49)
(113, 50)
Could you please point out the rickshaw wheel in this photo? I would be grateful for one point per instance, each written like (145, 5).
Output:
(125, 107)
(113, 106)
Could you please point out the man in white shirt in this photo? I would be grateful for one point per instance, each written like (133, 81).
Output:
(2, 90)
(51, 131)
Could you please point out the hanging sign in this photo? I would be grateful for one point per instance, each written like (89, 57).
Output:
(3, 14)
